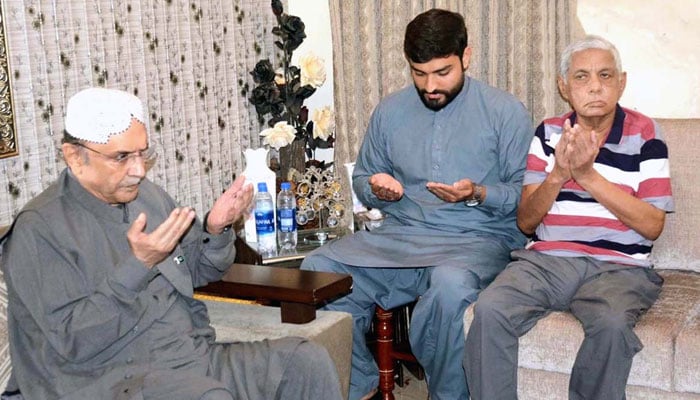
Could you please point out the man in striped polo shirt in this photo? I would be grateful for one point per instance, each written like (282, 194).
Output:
(595, 195)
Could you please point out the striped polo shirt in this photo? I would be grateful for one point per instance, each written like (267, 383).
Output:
(633, 157)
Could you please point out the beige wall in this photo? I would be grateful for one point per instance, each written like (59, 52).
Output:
(659, 43)
(316, 17)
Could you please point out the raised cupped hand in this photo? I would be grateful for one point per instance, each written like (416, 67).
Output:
(562, 170)
(582, 151)
(152, 248)
(575, 153)
(385, 187)
(233, 205)
(458, 191)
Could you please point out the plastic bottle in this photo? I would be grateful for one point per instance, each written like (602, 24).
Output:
(286, 218)
(256, 170)
(265, 221)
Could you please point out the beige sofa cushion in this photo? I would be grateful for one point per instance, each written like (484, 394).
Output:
(536, 384)
(671, 355)
(678, 247)
(687, 368)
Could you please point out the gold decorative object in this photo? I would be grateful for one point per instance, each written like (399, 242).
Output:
(319, 197)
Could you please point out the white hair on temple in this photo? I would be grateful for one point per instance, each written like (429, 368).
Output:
(96, 114)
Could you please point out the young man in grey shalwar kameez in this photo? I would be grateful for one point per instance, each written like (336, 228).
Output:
(444, 160)
(100, 269)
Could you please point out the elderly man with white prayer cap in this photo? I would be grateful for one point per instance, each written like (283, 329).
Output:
(100, 269)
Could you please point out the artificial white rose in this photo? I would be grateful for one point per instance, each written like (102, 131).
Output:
(324, 122)
(313, 72)
(279, 135)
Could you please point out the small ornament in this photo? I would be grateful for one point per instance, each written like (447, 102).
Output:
(319, 194)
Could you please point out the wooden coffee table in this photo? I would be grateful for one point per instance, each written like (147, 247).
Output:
(298, 292)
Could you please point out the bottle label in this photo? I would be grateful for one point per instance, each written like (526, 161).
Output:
(287, 220)
(264, 222)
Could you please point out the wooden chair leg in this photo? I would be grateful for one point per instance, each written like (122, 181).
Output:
(385, 348)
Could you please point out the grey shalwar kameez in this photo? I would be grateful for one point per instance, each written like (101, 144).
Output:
(87, 320)
(443, 252)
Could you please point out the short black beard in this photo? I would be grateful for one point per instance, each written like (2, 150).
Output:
(433, 104)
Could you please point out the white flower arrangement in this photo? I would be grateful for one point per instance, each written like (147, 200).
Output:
(279, 94)
(280, 135)
(324, 122)
(313, 70)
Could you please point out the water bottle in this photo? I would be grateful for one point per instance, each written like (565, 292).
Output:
(265, 221)
(286, 218)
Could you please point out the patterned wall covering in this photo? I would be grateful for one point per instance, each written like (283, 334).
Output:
(187, 60)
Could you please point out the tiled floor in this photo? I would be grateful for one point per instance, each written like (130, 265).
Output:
(413, 389)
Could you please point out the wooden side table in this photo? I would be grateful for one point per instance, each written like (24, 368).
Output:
(279, 280)
(298, 292)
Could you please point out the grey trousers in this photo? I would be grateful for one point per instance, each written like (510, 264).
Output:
(437, 325)
(287, 368)
(607, 298)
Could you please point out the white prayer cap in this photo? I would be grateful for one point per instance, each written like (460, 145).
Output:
(95, 114)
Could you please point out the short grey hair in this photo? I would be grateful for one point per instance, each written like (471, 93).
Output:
(589, 42)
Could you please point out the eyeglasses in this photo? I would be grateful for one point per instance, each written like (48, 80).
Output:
(122, 159)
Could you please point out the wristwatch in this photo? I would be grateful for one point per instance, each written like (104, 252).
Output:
(476, 199)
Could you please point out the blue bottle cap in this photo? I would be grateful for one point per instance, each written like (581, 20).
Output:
(262, 187)
(286, 186)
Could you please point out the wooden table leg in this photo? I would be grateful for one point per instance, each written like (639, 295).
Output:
(297, 313)
(385, 348)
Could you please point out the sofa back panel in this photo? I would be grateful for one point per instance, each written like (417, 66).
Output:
(678, 247)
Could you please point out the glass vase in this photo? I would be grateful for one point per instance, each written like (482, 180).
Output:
(292, 156)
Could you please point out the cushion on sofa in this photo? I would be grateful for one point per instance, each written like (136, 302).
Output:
(687, 367)
(536, 384)
(678, 246)
(655, 366)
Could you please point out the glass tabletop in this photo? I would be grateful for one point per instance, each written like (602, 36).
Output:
(307, 241)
